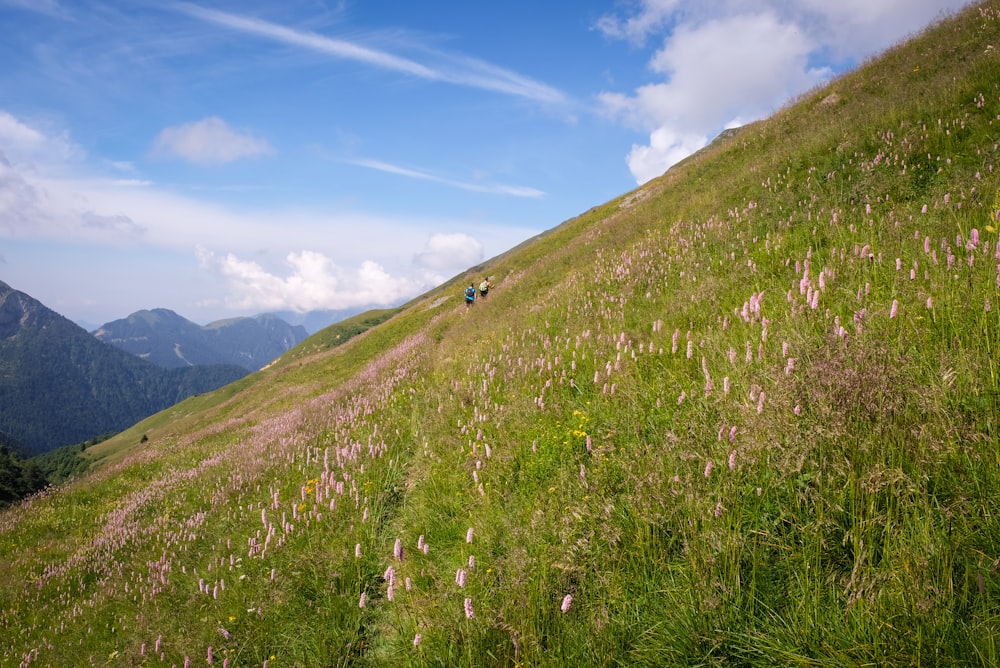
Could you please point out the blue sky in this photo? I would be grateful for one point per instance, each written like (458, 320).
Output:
(229, 158)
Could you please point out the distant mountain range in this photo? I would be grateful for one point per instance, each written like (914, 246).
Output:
(168, 340)
(314, 321)
(60, 385)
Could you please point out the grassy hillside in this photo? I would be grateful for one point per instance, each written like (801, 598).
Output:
(745, 415)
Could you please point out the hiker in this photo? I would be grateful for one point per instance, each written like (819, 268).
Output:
(484, 287)
(470, 295)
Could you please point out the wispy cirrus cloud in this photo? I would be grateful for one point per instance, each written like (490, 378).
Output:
(494, 188)
(49, 7)
(454, 69)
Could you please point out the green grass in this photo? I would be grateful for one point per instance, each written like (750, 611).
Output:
(723, 507)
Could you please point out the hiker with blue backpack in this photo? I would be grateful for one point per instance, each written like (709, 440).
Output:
(470, 295)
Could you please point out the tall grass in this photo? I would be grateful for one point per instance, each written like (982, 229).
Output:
(746, 415)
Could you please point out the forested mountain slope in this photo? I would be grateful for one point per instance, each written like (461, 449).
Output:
(59, 385)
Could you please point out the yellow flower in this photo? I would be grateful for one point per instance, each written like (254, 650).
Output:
(232, 618)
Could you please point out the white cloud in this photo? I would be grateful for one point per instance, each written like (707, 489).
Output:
(459, 70)
(13, 131)
(650, 18)
(209, 141)
(665, 148)
(354, 259)
(710, 71)
(22, 142)
(313, 282)
(481, 187)
(449, 253)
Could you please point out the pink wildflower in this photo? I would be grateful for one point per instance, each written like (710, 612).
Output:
(708, 469)
(468, 535)
(566, 602)
(894, 309)
(469, 614)
(416, 640)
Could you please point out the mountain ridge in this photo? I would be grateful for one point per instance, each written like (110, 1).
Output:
(169, 340)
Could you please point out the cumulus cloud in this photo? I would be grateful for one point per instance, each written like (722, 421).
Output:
(312, 282)
(209, 141)
(449, 253)
(710, 73)
(666, 147)
(22, 141)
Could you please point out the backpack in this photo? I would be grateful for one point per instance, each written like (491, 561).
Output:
(470, 293)
(484, 287)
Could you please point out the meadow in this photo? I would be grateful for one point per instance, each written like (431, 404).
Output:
(746, 415)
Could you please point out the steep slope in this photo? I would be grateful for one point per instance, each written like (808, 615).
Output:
(745, 415)
(59, 385)
(166, 339)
